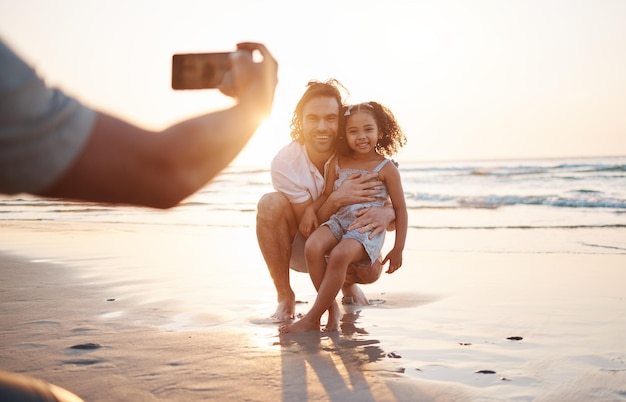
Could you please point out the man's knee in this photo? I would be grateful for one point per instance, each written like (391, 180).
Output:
(271, 206)
(362, 275)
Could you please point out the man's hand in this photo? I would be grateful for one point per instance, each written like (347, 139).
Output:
(375, 220)
(252, 80)
(356, 189)
(362, 188)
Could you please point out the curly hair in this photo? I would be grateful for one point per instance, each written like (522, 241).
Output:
(330, 88)
(393, 137)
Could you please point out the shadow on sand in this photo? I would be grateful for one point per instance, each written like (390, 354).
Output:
(332, 366)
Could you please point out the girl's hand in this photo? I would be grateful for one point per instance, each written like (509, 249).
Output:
(308, 223)
(395, 260)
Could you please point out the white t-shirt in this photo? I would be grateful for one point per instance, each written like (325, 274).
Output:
(42, 130)
(294, 175)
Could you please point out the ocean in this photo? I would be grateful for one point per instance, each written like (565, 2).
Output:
(576, 193)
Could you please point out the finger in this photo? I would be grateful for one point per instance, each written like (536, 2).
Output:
(359, 178)
(361, 212)
(252, 46)
(375, 232)
(368, 176)
(261, 48)
(359, 224)
(368, 228)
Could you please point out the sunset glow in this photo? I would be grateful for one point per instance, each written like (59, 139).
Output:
(467, 80)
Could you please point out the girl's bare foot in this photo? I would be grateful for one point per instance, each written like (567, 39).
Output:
(302, 325)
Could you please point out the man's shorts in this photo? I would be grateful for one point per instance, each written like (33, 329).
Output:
(297, 262)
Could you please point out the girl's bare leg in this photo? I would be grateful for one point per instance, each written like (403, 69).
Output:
(340, 257)
(318, 245)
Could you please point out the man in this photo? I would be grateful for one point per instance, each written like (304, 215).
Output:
(52, 145)
(298, 176)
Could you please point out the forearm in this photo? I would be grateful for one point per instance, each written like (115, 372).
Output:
(401, 226)
(198, 149)
(122, 163)
(330, 205)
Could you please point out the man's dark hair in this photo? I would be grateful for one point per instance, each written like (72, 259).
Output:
(330, 88)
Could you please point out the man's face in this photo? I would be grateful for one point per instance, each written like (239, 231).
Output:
(320, 120)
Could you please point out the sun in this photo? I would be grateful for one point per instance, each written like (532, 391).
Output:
(269, 138)
(274, 132)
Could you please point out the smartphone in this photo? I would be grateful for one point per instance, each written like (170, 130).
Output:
(199, 70)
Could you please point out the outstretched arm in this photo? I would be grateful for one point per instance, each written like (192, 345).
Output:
(123, 163)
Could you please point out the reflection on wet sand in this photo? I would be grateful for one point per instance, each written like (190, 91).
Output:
(339, 362)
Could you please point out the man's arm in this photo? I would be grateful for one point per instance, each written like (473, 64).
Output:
(122, 163)
(299, 209)
(359, 189)
(354, 190)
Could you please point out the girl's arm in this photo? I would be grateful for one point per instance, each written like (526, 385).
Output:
(310, 219)
(391, 176)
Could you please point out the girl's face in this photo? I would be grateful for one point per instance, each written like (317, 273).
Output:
(362, 132)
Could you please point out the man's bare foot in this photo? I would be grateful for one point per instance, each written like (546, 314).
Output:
(334, 318)
(285, 311)
(302, 325)
(352, 294)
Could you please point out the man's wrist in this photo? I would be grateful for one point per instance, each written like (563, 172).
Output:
(334, 200)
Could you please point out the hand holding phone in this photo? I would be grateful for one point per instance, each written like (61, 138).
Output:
(199, 70)
(248, 74)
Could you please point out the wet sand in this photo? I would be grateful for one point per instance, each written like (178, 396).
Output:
(161, 317)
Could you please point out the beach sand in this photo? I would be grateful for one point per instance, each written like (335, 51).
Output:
(182, 314)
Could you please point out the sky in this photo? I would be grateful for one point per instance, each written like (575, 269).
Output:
(467, 80)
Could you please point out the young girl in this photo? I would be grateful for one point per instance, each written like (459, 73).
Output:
(370, 133)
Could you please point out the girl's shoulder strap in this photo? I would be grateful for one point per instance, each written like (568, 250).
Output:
(381, 164)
